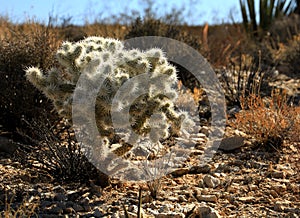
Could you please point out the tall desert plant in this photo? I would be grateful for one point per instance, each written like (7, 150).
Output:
(269, 10)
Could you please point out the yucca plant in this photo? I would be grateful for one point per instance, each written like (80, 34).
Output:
(269, 10)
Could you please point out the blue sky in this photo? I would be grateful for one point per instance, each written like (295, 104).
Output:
(81, 11)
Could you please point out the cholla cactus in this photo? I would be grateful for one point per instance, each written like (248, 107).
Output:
(151, 113)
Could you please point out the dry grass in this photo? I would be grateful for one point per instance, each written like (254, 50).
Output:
(269, 120)
(55, 151)
(29, 44)
(27, 208)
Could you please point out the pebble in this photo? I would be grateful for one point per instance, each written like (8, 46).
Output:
(231, 143)
(205, 130)
(69, 210)
(7, 145)
(279, 188)
(205, 211)
(248, 199)
(55, 209)
(173, 199)
(180, 172)
(207, 198)
(281, 205)
(211, 181)
(278, 174)
(170, 215)
(60, 197)
(78, 208)
(58, 189)
(274, 193)
(98, 213)
(200, 169)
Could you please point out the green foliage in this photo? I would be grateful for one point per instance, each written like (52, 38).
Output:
(269, 10)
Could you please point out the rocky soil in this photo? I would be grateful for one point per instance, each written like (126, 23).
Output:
(240, 181)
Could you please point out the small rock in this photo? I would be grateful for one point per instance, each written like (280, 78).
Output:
(201, 183)
(207, 198)
(85, 201)
(147, 199)
(170, 215)
(72, 195)
(248, 199)
(58, 189)
(96, 189)
(278, 174)
(200, 169)
(279, 188)
(284, 203)
(87, 208)
(165, 208)
(78, 208)
(253, 187)
(25, 177)
(98, 213)
(235, 109)
(180, 172)
(60, 197)
(55, 209)
(231, 143)
(173, 199)
(132, 208)
(240, 133)
(204, 211)
(7, 145)
(211, 181)
(182, 198)
(274, 194)
(205, 130)
(200, 135)
(46, 203)
(69, 210)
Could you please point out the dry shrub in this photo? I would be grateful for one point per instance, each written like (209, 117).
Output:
(285, 28)
(224, 44)
(55, 151)
(76, 33)
(269, 120)
(27, 208)
(116, 31)
(244, 79)
(22, 46)
(154, 27)
(72, 33)
(288, 56)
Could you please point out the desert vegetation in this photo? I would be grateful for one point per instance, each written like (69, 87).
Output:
(257, 63)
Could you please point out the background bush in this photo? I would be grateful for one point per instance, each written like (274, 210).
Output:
(22, 46)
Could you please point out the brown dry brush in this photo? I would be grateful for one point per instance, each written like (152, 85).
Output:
(269, 120)
(55, 151)
(244, 78)
(27, 208)
(22, 46)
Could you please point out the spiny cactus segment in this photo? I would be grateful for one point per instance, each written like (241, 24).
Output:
(151, 113)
